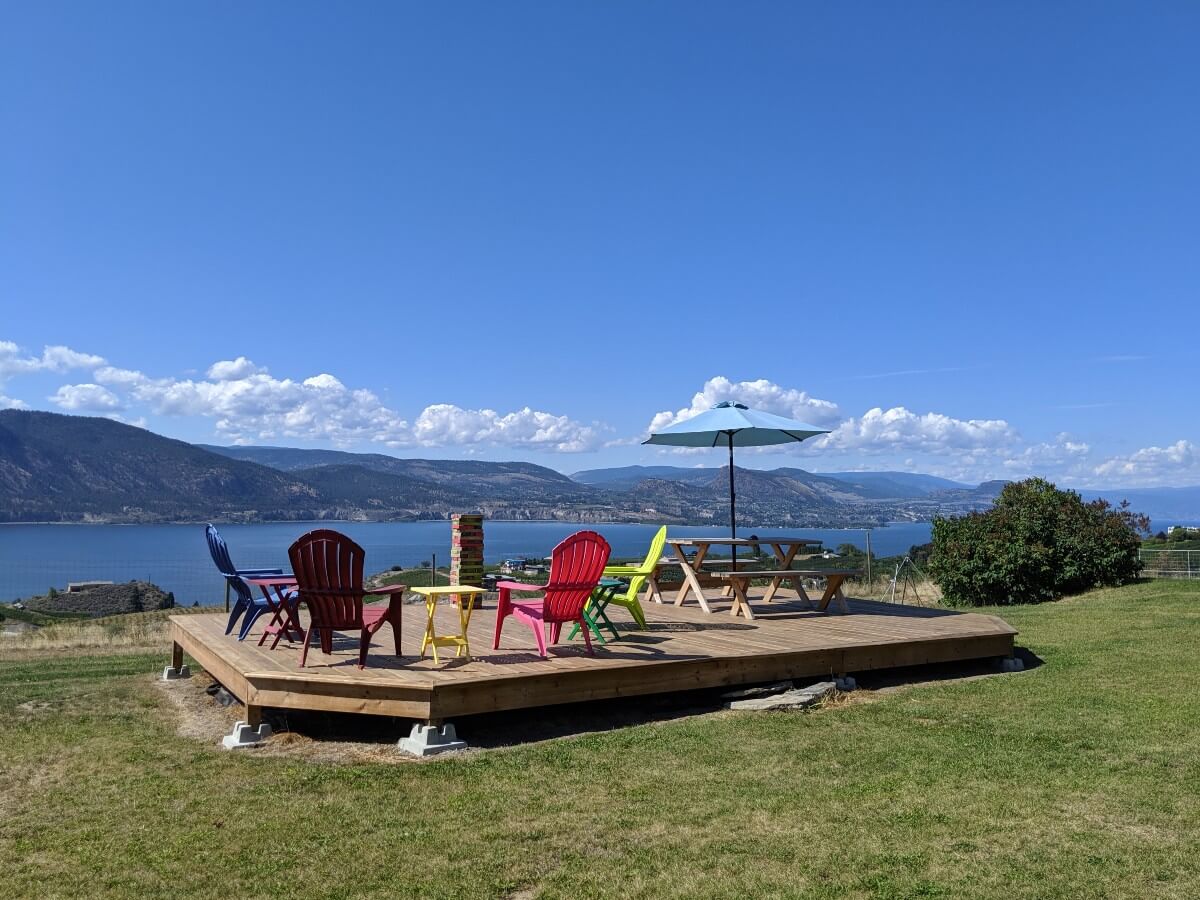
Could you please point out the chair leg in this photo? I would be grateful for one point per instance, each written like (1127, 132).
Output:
(239, 607)
(364, 641)
(252, 614)
(304, 652)
(555, 632)
(502, 610)
(539, 636)
(635, 610)
(587, 639)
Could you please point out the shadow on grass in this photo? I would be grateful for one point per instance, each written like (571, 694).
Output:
(526, 726)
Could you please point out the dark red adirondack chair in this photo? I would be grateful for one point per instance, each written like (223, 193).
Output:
(575, 570)
(328, 567)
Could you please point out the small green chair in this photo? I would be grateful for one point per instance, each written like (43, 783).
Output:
(638, 576)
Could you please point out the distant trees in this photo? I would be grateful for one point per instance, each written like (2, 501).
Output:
(1036, 543)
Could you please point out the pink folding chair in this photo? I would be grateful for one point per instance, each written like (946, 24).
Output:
(575, 570)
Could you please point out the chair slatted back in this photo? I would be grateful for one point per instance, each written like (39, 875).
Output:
(656, 548)
(328, 567)
(575, 570)
(220, 556)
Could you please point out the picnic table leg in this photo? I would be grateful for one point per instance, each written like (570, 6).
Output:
(741, 602)
(653, 591)
(803, 594)
(690, 582)
(785, 562)
(833, 589)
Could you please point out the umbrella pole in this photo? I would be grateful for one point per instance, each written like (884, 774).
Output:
(732, 504)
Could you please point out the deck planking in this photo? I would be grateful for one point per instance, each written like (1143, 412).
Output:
(683, 648)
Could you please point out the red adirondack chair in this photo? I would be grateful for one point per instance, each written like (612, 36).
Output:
(575, 570)
(328, 567)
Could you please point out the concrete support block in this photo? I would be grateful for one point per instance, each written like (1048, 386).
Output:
(172, 673)
(426, 740)
(845, 683)
(1012, 664)
(244, 735)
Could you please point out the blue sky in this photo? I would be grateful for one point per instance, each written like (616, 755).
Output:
(961, 236)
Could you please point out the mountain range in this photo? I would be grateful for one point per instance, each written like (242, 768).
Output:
(59, 468)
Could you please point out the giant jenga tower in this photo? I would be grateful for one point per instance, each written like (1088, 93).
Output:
(466, 550)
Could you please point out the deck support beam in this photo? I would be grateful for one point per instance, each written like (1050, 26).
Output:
(176, 669)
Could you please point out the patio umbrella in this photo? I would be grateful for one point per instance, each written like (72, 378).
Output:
(731, 424)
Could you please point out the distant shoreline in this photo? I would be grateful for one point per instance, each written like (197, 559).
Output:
(447, 520)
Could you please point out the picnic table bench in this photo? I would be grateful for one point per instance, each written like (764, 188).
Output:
(696, 578)
(740, 580)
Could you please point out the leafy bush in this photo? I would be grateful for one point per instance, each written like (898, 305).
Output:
(1036, 543)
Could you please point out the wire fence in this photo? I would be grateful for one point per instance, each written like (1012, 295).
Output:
(1170, 563)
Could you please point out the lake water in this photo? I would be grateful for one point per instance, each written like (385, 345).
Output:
(35, 557)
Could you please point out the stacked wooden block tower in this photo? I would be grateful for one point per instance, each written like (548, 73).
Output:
(466, 550)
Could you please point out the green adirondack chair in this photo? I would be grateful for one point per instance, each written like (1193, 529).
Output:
(638, 576)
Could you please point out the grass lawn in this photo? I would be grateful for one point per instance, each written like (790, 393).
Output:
(1079, 778)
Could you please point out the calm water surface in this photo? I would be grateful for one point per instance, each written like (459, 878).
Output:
(34, 557)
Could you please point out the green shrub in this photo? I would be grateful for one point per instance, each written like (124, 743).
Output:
(1036, 543)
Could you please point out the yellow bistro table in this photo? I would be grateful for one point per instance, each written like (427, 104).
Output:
(466, 602)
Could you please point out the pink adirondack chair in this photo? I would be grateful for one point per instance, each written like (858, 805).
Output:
(328, 567)
(575, 570)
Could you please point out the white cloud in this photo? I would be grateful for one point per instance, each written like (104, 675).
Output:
(248, 405)
(233, 369)
(85, 398)
(1064, 456)
(11, 403)
(444, 424)
(54, 358)
(760, 394)
(880, 431)
(1153, 465)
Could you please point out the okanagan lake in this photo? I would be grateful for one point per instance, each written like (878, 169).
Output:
(35, 557)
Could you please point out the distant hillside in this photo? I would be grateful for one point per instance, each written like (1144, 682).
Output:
(1181, 503)
(622, 478)
(56, 468)
(473, 477)
(865, 485)
(897, 484)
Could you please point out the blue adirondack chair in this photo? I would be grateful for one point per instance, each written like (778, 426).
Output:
(246, 603)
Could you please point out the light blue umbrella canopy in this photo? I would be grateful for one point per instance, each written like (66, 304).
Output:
(732, 425)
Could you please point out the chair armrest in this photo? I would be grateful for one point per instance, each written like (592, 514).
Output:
(627, 570)
(388, 589)
(519, 586)
(257, 573)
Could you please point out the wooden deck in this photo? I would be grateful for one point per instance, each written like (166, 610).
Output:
(683, 649)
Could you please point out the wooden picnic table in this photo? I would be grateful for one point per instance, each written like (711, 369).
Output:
(740, 583)
(784, 548)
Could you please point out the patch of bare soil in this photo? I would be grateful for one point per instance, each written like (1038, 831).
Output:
(323, 737)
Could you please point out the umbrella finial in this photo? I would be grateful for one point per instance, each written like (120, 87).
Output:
(728, 404)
